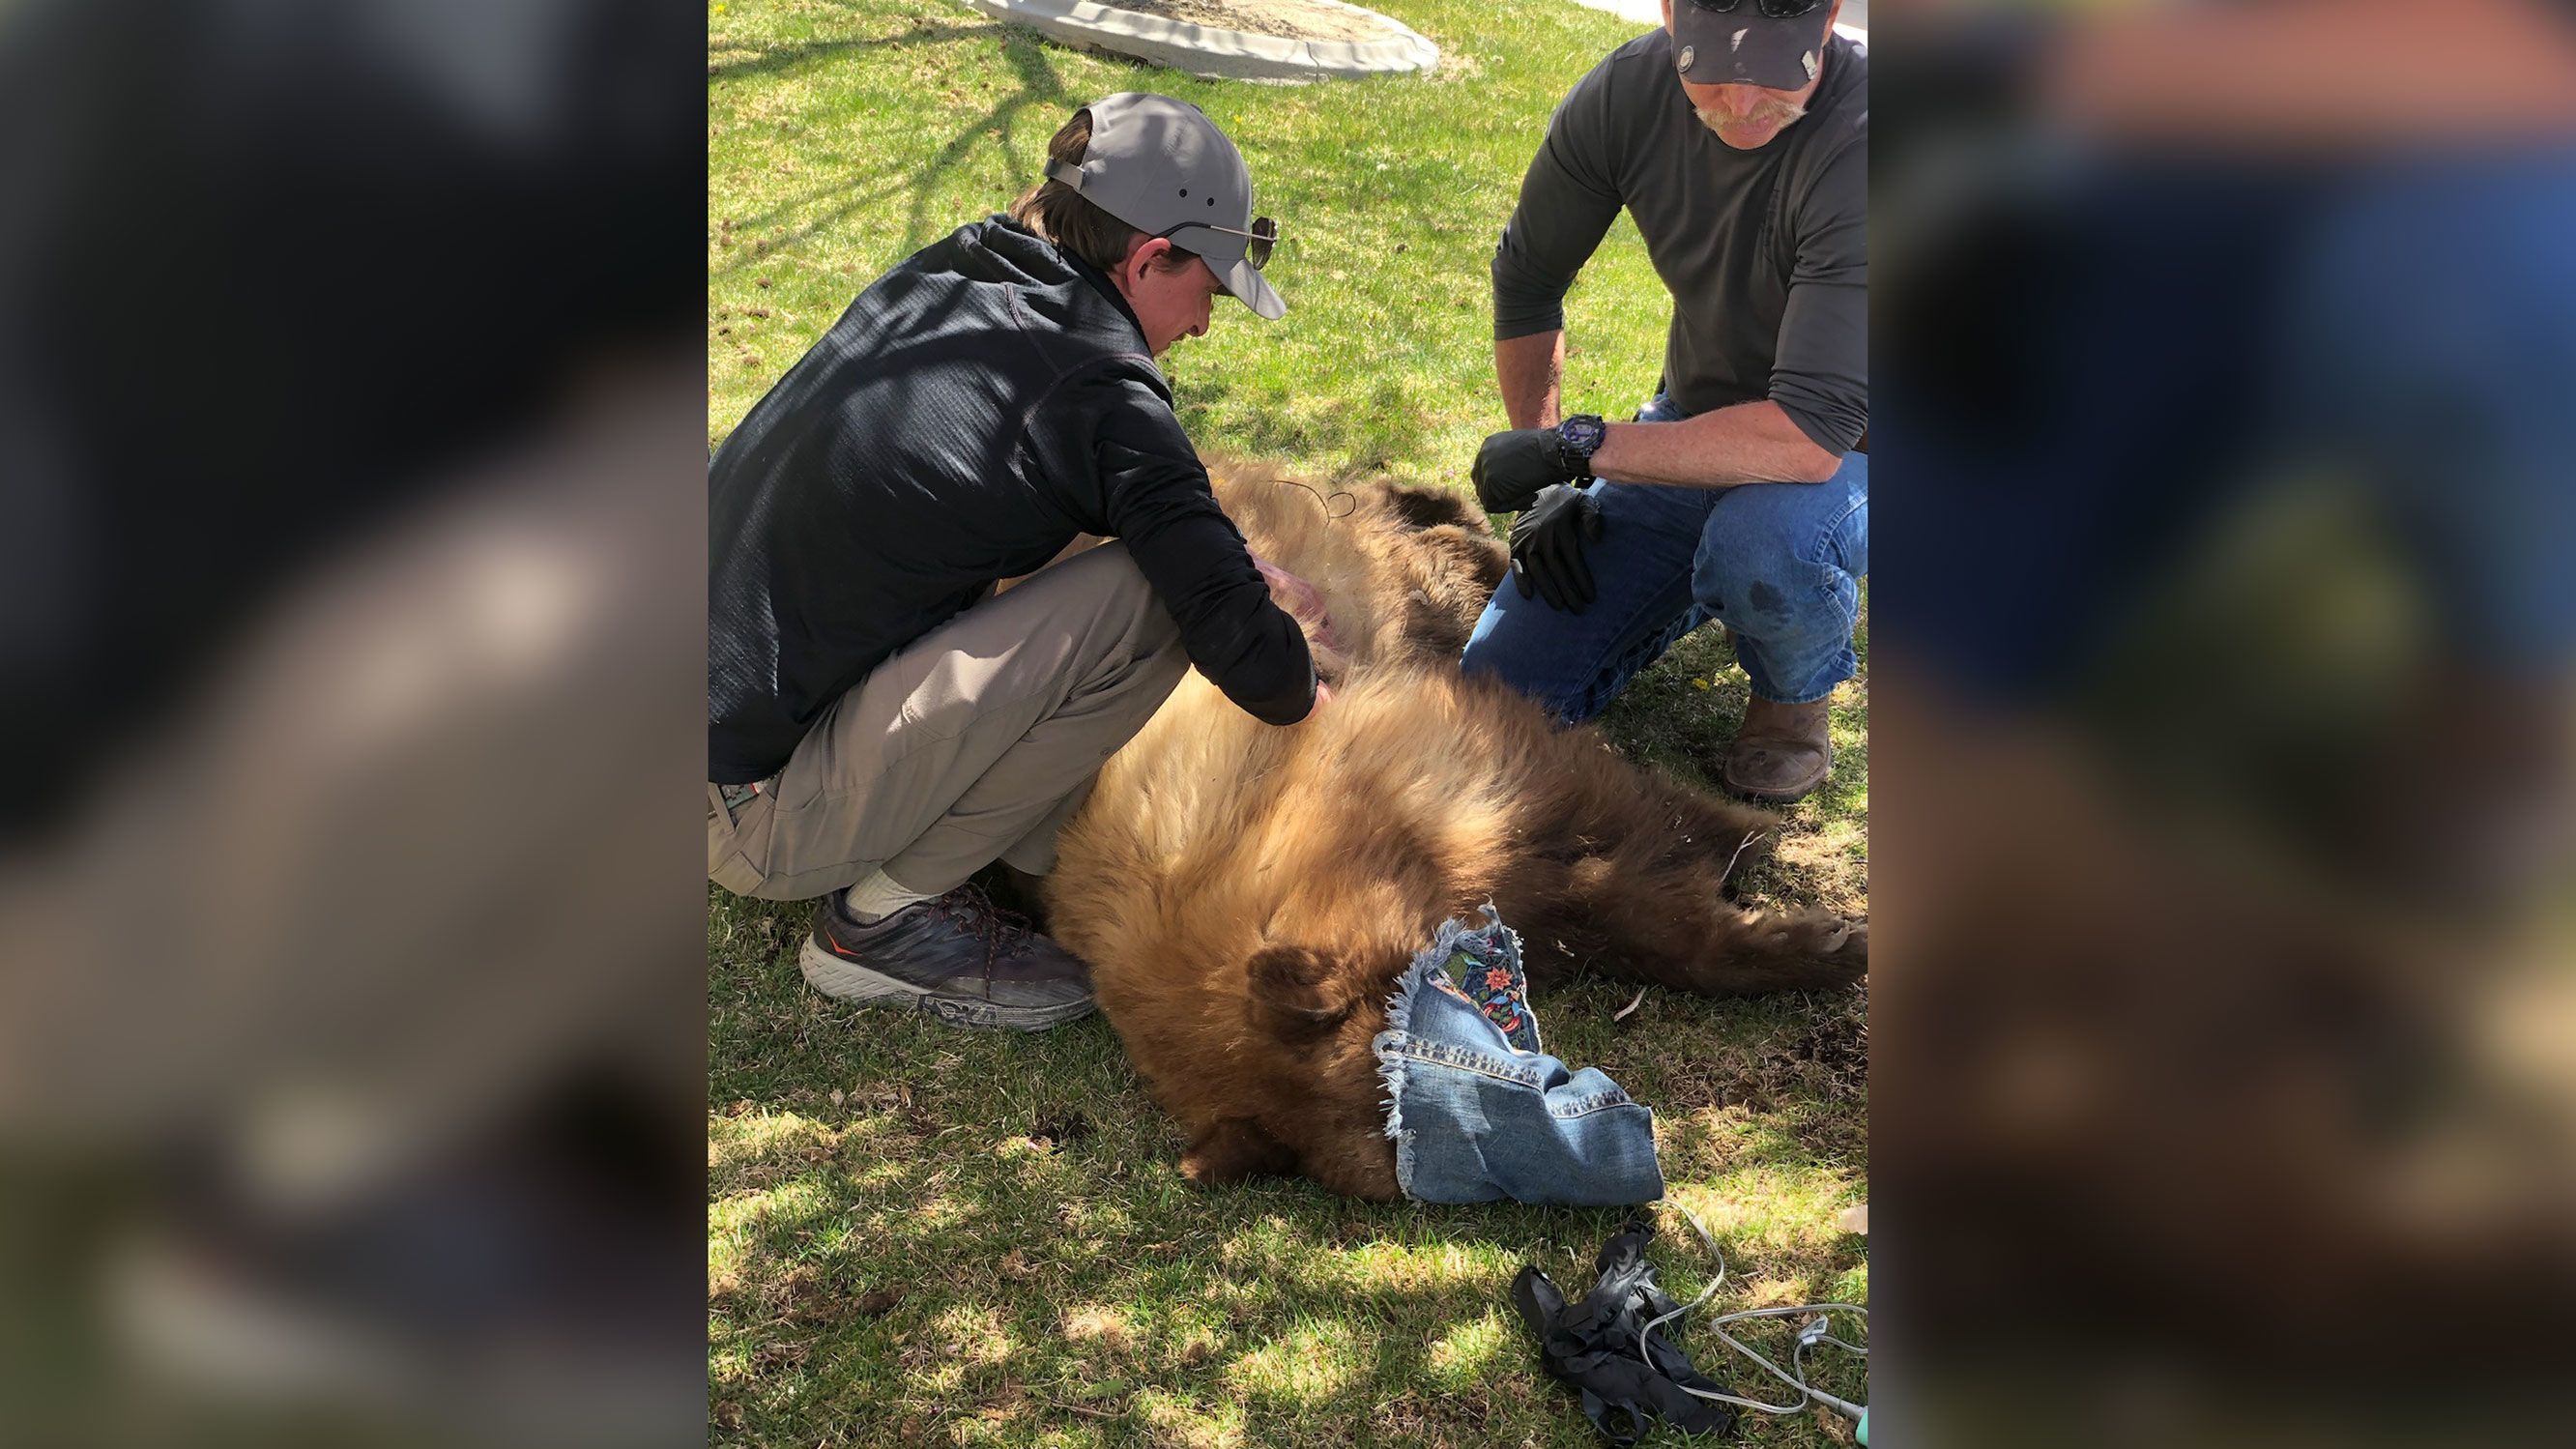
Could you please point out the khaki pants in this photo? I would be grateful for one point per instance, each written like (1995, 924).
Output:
(975, 743)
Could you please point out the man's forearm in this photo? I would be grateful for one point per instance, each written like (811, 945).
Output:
(1531, 370)
(1748, 443)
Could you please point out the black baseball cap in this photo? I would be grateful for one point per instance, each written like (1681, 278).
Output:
(1776, 44)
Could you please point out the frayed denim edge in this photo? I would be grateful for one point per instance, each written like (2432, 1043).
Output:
(1520, 978)
(1399, 1021)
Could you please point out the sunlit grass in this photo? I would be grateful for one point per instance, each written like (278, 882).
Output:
(892, 1258)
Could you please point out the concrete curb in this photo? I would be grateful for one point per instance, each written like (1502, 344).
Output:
(1218, 54)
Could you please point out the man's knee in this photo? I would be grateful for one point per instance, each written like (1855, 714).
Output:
(1778, 569)
(1747, 589)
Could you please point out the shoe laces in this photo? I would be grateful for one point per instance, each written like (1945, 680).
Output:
(1000, 929)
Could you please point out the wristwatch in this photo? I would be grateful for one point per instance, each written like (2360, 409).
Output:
(1577, 439)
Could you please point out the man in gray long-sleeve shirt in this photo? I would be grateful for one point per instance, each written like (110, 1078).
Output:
(1738, 138)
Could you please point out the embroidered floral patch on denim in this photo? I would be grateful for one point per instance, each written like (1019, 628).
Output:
(1478, 1111)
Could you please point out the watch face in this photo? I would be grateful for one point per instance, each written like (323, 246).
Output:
(1584, 432)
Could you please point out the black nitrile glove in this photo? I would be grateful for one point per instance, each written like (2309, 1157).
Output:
(1512, 467)
(1591, 1346)
(1547, 547)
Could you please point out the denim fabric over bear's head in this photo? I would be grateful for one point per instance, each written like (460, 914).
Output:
(1477, 1108)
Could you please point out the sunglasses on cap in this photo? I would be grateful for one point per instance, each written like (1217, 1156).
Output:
(1257, 242)
(1767, 9)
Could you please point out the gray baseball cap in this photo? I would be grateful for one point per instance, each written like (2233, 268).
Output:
(1162, 167)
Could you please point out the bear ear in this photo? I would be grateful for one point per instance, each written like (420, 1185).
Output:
(1297, 993)
(1418, 508)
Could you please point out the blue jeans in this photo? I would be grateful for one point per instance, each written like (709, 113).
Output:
(1479, 1110)
(1779, 563)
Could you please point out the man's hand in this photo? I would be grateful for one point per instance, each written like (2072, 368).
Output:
(1329, 663)
(1512, 467)
(1547, 547)
(1302, 602)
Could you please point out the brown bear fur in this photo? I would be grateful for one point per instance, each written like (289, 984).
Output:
(1245, 895)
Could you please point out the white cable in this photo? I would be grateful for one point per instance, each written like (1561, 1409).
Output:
(1807, 1393)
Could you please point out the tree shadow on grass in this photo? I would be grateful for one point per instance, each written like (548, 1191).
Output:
(902, 1231)
(1023, 49)
(773, 60)
(1260, 422)
(975, 1278)
(1026, 53)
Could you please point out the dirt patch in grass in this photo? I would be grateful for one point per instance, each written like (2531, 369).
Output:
(1287, 19)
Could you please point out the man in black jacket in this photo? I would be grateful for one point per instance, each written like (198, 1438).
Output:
(882, 722)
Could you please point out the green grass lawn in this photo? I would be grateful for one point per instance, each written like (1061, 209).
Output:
(920, 1235)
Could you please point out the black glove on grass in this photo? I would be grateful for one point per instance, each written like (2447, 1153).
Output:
(1591, 1346)
(1547, 547)
(1512, 467)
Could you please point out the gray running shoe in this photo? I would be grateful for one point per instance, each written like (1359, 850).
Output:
(957, 957)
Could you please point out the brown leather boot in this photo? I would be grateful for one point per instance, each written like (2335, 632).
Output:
(1782, 753)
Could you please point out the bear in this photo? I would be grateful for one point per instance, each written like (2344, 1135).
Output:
(1245, 896)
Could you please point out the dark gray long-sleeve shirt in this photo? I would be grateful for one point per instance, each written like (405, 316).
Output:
(1766, 252)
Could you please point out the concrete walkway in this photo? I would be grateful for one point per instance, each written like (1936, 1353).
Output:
(1650, 13)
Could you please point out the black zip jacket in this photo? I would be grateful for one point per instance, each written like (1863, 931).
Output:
(968, 415)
